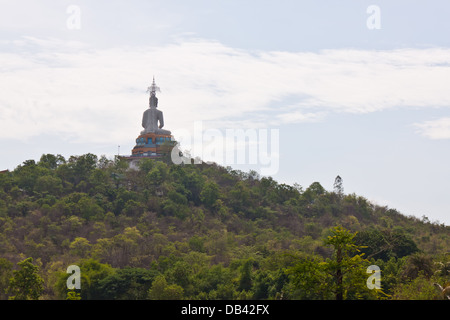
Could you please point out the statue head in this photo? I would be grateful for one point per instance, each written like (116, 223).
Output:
(153, 101)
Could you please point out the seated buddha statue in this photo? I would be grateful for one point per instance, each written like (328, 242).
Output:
(152, 119)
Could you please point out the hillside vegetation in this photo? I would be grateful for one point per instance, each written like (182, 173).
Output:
(203, 231)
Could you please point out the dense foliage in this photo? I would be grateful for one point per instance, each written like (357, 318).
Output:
(203, 231)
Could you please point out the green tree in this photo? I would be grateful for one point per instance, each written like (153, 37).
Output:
(145, 165)
(210, 194)
(196, 243)
(92, 273)
(418, 264)
(193, 182)
(245, 280)
(310, 279)
(127, 284)
(6, 273)
(161, 290)
(80, 247)
(313, 192)
(48, 185)
(81, 167)
(51, 161)
(26, 284)
(120, 249)
(157, 173)
(343, 276)
(239, 197)
(210, 279)
(420, 288)
(88, 208)
(384, 244)
(27, 173)
(180, 273)
(344, 262)
(176, 205)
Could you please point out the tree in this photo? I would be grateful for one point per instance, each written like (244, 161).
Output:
(418, 264)
(343, 262)
(180, 273)
(245, 281)
(81, 167)
(312, 192)
(384, 244)
(419, 288)
(343, 275)
(127, 284)
(239, 197)
(88, 208)
(26, 284)
(176, 205)
(194, 183)
(92, 273)
(310, 279)
(157, 174)
(51, 161)
(209, 194)
(26, 174)
(161, 290)
(120, 249)
(5, 274)
(48, 185)
(338, 187)
(316, 188)
(145, 165)
(80, 247)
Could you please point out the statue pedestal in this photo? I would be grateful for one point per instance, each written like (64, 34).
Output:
(152, 145)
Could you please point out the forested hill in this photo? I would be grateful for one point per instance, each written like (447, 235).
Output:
(201, 231)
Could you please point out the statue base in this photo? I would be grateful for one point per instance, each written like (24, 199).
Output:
(153, 145)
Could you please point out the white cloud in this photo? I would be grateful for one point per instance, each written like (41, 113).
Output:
(435, 129)
(97, 95)
(297, 116)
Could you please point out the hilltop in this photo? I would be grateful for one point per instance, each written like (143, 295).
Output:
(200, 231)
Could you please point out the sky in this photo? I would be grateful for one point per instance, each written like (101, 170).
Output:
(353, 88)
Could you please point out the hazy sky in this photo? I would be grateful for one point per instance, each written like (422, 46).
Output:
(354, 88)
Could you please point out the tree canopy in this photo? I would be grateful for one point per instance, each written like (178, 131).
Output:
(202, 231)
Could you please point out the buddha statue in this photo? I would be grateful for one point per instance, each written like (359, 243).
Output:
(153, 116)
